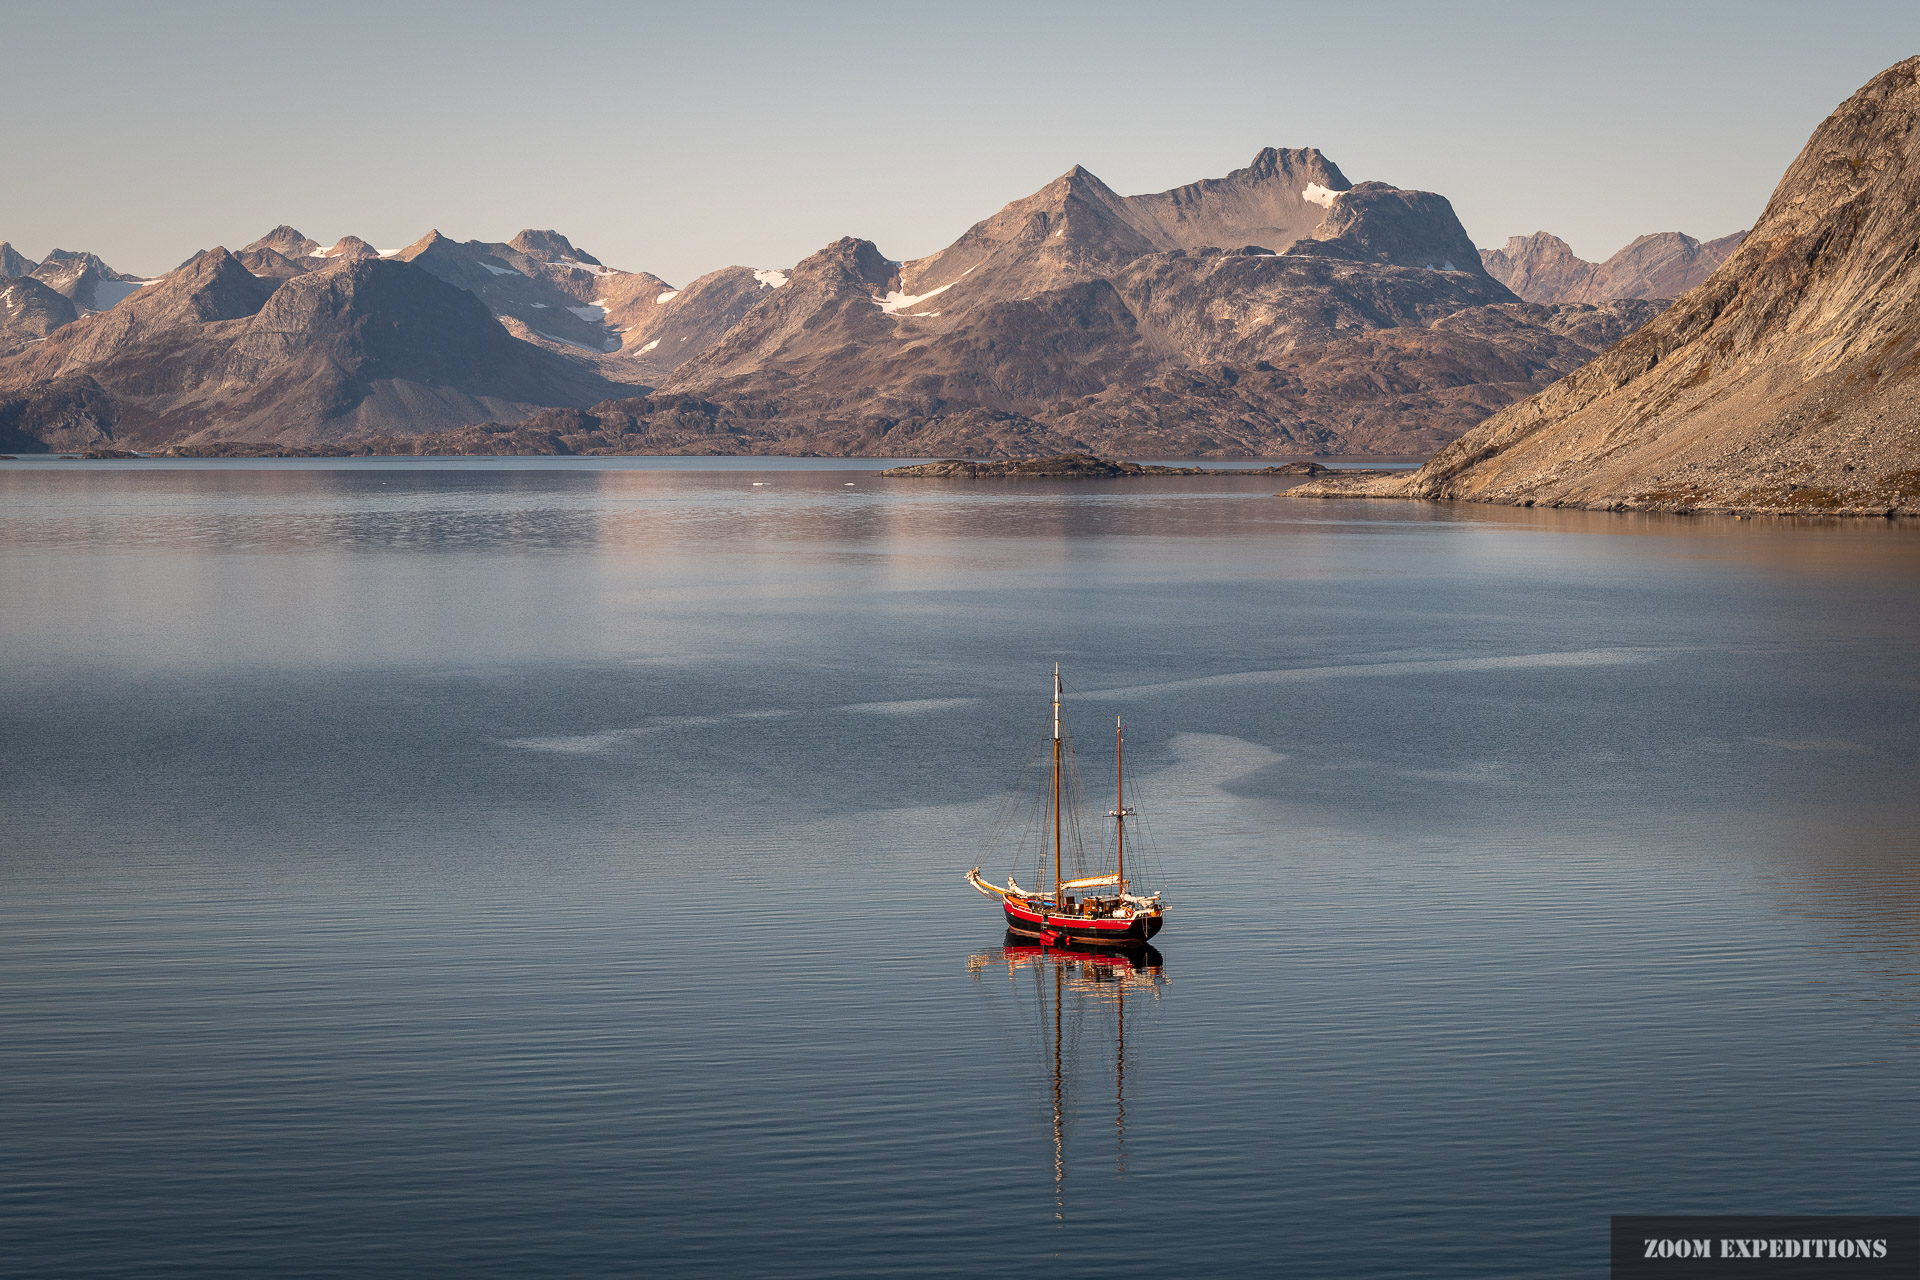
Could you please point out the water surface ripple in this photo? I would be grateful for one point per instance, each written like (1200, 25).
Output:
(526, 868)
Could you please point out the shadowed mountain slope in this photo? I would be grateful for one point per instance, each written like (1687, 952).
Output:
(30, 312)
(13, 263)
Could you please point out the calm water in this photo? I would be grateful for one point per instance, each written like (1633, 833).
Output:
(556, 869)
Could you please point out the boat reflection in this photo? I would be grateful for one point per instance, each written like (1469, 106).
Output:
(1075, 1002)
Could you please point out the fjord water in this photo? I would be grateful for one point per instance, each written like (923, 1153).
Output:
(473, 868)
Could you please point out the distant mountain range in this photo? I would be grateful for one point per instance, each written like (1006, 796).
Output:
(1541, 268)
(1280, 309)
(1784, 382)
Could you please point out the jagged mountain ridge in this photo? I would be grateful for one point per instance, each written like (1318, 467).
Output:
(1786, 382)
(1333, 317)
(1077, 309)
(1543, 268)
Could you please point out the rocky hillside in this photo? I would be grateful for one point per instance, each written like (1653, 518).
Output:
(1541, 268)
(1784, 383)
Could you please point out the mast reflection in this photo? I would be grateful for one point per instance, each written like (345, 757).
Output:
(1071, 999)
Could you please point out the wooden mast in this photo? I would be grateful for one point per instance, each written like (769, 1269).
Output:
(1058, 898)
(1059, 1123)
(1119, 809)
(1120, 1077)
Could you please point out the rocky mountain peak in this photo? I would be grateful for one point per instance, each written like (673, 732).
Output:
(850, 258)
(425, 244)
(350, 249)
(1306, 163)
(13, 263)
(550, 246)
(83, 277)
(286, 242)
(1380, 223)
(269, 264)
(211, 285)
(1281, 197)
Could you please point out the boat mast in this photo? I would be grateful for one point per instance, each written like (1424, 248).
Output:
(1058, 899)
(1119, 809)
(1059, 1125)
(1120, 1077)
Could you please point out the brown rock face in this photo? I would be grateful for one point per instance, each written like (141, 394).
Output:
(1541, 268)
(1786, 382)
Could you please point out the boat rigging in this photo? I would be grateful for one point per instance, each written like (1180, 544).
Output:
(1091, 910)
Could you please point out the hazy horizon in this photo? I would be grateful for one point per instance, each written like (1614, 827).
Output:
(677, 142)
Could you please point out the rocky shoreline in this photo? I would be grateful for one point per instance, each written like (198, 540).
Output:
(1896, 496)
(1077, 466)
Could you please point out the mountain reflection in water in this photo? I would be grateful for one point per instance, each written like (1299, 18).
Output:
(1073, 1005)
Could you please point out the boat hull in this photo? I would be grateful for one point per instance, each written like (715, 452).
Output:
(1094, 932)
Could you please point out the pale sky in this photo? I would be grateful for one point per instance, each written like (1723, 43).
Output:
(680, 138)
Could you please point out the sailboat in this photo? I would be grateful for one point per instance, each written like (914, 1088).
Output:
(1089, 910)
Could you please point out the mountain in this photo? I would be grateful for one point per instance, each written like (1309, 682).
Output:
(88, 282)
(30, 312)
(662, 328)
(284, 241)
(1076, 228)
(1280, 198)
(14, 263)
(1786, 382)
(270, 265)
(1336, 321)
(212, 351)
(1280, 307)
(348, 249)
(1542, 268)
(539, 279)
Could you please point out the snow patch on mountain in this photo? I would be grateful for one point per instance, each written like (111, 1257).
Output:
(771, 279)
(896, 302)
(1317, 194)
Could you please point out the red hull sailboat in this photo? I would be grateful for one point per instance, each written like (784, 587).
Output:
(1095, 909)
